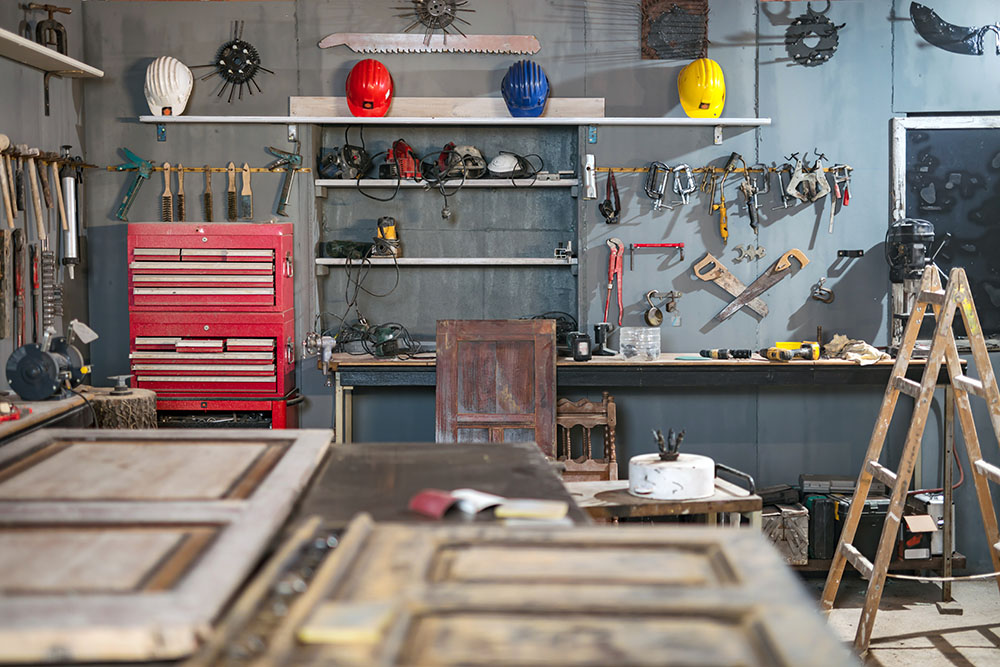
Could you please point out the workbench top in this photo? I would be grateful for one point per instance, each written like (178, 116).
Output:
(427, 359)
(42, 412)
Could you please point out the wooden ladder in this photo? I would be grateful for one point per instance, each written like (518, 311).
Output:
(958, 297)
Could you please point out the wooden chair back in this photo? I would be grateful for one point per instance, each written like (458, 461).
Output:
(587, 415)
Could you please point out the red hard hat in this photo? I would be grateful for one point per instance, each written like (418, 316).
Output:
(369, 89)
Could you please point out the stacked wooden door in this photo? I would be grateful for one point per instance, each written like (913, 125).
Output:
(126, 545)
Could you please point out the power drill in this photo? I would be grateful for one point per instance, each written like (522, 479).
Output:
(725, 353)
(808, 351)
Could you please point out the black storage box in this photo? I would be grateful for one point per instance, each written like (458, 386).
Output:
(869, 530)
(823, 532)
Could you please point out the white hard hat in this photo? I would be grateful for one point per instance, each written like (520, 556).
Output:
(168, 86)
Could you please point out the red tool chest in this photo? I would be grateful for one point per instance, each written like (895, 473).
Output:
(186, 353)
(212, 323)
(192, 266)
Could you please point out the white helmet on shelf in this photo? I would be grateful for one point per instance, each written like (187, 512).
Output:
(168, 86)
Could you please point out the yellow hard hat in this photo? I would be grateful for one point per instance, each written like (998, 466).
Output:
(702, 89)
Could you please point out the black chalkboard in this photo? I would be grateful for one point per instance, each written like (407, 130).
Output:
(953, 181)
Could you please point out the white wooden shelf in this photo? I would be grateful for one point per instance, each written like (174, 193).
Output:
(452, 261)
(29, 53)
(469, 183)
(435, 120)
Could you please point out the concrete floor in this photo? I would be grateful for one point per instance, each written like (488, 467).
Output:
(909, 629)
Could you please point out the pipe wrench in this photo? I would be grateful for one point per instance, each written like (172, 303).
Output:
(614, 272)
(289, 162)
(143, 169)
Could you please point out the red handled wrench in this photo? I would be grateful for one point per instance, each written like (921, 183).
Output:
(614, 271)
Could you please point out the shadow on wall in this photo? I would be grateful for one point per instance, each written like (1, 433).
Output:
(855, 317)
(109, 314)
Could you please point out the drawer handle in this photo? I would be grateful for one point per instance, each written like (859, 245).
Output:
(289, 351)
(289, 265)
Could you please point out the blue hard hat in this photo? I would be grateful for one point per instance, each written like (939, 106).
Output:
(525, 89)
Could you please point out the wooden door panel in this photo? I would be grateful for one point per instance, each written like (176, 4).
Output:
(488, 595)
(129, 471)
(493, 375)
(471, 638)
(126, 545)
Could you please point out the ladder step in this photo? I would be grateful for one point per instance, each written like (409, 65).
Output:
(965, 383)
(882, 474)
(932, 296)
(989, 470)
(855, 558)
(908, 387)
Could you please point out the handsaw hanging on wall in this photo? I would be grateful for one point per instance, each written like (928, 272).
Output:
(384, 42)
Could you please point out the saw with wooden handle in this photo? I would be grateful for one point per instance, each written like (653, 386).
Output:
(768, 279)
(385, 42)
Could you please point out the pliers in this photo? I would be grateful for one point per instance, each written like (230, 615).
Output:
(614, 271)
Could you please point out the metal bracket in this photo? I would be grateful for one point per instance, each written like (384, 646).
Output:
(161, 132)
(850, 253)
(293, 133)
(592, 134)
(718, 135)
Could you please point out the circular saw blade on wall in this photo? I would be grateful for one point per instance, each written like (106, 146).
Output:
(238, 63)
(674, 29)
(436, 15)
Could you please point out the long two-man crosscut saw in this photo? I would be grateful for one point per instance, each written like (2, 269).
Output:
(384, 42)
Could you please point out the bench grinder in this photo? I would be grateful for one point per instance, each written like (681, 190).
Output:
(50, 370)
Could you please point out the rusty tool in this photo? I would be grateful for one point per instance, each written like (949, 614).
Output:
(43, 177)
(181, 208)
(61, 204)
(633, 246)
(734, 157)
(167, 198)
(402, 43)
(8, 202)
(710, 269)
(246, 195)
(36, 199)
(17, 238)
(231, 193)
(768, 279)
(207, 196)
(50, 32)
(11, 181)
(614, 273)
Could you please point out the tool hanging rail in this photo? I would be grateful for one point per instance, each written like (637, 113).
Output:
(213, 170)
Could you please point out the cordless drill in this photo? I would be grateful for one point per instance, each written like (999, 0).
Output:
(725, 353)
(808, 351)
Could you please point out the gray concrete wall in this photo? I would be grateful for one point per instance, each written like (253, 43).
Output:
(589, 48)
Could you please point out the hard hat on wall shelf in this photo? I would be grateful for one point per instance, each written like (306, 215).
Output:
(168, 86)
(369, 89)
(702, 89)
(525, 89)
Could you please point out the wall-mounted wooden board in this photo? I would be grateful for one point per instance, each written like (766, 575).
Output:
(126, 545)
(395, 594)
(448, 107)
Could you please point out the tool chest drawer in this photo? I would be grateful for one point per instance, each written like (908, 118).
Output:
(213, 354)
(210, 266)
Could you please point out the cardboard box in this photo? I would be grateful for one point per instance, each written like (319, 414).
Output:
(916, 534)
(787, 526)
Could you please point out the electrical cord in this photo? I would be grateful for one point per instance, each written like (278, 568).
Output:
(93, 412)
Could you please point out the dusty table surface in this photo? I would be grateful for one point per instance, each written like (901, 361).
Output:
(606, 499)
(380, 478)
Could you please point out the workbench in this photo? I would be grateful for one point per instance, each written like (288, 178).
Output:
(64, 412)
(671, 369)
(610, 499)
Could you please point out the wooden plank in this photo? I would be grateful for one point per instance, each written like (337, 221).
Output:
(448, 107)
(40, 412)
(133, 472)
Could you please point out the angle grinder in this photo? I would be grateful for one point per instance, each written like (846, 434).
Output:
(52, 369)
